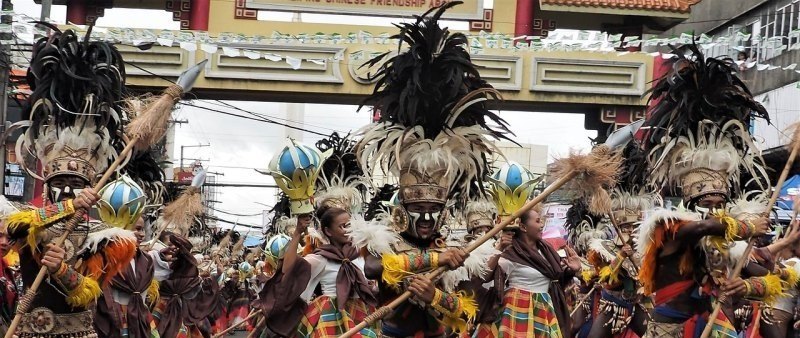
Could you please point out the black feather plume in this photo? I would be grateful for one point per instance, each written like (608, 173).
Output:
(71, 78)
(697, 89)
(420, 87)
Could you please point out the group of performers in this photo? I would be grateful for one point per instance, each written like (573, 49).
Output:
(423, 258)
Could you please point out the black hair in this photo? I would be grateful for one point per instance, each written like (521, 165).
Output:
(326, 215)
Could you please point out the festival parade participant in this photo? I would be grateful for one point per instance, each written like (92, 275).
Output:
(695, 138)
(437, 145)
(76, 121)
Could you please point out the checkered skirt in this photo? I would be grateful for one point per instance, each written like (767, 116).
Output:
(322, 319)
(524, 315)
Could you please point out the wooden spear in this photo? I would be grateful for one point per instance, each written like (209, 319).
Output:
(774, 198)
(147, 129)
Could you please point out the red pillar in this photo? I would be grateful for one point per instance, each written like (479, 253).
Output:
(76, 12)
(198, 17)
(523, 25)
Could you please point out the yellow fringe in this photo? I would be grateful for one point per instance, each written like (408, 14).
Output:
(29, 220)
(394, 269)
(608, 276)
(153, 292)
(732, 226)
(467, 307)
(86, 293)
(774, 289)
(587, 275)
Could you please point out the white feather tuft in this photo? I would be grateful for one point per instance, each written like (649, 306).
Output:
(660, 216)
(474, 266)
(96, 239)
(376, 235)
(596, 245)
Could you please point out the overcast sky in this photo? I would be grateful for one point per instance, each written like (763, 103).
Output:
(237, 145)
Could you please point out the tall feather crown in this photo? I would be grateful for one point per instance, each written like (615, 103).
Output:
(434, 130)
(74, 109)
(696, 134)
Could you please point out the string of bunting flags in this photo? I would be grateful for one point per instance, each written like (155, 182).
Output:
(560, 40)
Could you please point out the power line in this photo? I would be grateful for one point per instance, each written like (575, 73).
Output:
(261, 118)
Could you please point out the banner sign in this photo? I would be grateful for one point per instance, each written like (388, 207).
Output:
(469, 10)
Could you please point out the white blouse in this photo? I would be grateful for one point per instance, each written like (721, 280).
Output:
(524, 277)
(324, 272)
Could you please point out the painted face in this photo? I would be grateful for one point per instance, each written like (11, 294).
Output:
(65, 187)
(424, 219)
(709, 203)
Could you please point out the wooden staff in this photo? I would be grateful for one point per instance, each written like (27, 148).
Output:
(740, 263)
(250, 316)
(580, 301)
(149, 128)
(261, 321)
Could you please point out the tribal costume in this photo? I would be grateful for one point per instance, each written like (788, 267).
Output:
(433, 136)
(185, 301)
(582, 228)
(621, 311)
(695, 138)
(75, 133)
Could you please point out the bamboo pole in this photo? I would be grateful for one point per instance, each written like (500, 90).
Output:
(581, 300)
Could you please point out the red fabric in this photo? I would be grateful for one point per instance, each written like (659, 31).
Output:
(671, 291)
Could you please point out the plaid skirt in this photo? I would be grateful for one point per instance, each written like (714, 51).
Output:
(524, 315)
(323, 319)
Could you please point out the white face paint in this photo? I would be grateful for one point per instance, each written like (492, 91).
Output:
(424, 224)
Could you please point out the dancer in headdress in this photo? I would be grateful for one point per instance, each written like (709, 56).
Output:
(8, 277)
(696, 138)
(621, 311)
(75, 134)
(582, 228)
(122, 311)
(433, 135)
(534, 276)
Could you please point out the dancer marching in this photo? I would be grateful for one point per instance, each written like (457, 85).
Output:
(696, 139)
(432, 135)
(75, 127)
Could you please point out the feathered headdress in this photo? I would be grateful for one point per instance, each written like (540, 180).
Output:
(583, 226)
(75, 111)
(341, 182)
(433, 131)
(696, 135)
(480, 213)
(630, 198)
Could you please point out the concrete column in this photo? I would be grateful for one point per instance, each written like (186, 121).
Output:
(523, 25)
(295, 112)
(198, 17)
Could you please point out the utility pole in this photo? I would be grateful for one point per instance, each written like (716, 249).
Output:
(191, 146)
(6, 38)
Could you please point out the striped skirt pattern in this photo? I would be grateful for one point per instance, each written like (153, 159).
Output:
(524, 315)
(322, 319)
